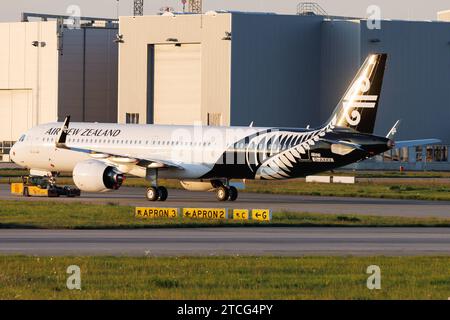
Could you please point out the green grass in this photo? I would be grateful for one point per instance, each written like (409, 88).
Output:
(52, 215)
(428, 189)
(224, 278)
(389, 190)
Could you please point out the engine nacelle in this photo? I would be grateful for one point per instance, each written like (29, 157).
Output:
(201, 185)
(96, 176)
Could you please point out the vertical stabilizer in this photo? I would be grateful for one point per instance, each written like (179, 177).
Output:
(358, 107)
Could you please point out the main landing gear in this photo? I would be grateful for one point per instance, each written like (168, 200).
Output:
(224, 193)
(155, 192)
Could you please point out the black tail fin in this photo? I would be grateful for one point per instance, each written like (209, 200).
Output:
(358, 108)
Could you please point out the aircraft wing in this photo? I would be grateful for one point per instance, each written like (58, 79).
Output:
(118, 159)
(415, 143)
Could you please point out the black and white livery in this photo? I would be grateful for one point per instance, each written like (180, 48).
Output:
(206, 158)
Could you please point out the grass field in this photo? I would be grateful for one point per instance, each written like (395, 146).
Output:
(428, 189)
(224, 278)
(50, 215)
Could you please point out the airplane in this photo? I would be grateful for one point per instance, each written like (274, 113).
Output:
(206, 158)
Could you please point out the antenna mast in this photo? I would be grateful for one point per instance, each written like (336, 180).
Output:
(195, 6)
(138, 9)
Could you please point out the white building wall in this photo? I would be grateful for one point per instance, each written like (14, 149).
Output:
(43, 83)
(28, 76)
(444, 15)
(206, 30)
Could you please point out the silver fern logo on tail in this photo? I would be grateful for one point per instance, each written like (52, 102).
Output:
(358, 107)
(356, 98)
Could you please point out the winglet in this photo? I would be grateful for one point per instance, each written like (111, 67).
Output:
(62, 136)
(394, 129)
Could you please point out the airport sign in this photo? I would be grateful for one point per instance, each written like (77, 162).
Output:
(155, 213)
(261, 214)
(206, 213)
(240, 214)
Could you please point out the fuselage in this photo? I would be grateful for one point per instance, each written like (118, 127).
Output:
(203, 152)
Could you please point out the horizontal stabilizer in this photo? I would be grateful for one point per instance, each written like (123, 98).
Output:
(416, 143)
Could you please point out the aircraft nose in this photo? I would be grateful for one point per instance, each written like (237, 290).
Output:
(13, 152)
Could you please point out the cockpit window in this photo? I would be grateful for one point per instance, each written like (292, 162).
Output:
(22, 138)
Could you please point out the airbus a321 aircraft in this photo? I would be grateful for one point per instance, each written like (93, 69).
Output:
(206, 158)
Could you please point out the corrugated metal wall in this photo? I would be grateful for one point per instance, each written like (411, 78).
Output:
(177, 83)
(275, 70)
(340, 60)
(88, 75)
(292, 70)
(416, 88)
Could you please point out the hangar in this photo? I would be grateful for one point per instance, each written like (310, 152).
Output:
(49, 69)
(235, 68)
(219, 68)
(225, 68)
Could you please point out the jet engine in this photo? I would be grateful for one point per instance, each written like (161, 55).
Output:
(201, 185)
(96, 176)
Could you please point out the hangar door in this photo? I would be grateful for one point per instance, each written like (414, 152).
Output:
(15, 113)
(177, 84)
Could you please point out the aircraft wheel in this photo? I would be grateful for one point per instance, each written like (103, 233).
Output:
(222, 193)
(233, 193)
(152, 194)
(162, 191)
